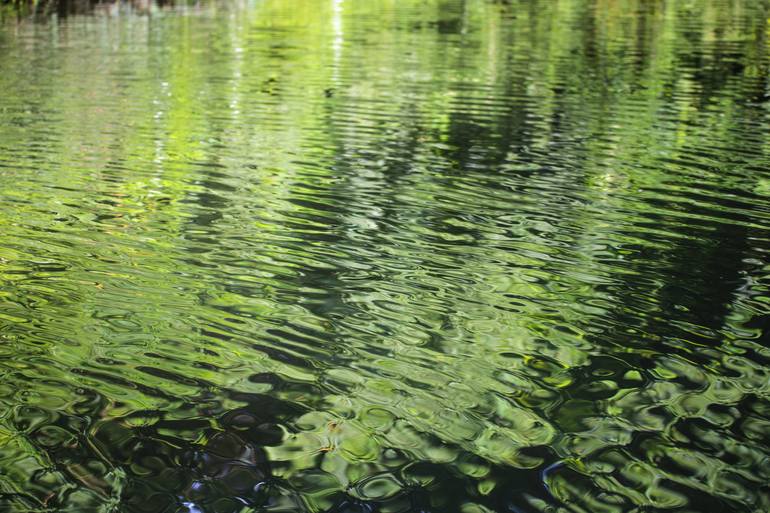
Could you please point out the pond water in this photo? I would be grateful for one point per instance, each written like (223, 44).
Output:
(386, 256)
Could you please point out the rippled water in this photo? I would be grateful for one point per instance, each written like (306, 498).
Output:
(395, 256)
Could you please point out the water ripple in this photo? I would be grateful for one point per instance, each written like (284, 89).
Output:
(349, 256)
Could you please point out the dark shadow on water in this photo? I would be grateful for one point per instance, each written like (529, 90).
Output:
(214, 461)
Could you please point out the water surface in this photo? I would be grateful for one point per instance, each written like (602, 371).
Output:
(386, 256)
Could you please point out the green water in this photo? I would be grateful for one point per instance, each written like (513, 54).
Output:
(364, 256)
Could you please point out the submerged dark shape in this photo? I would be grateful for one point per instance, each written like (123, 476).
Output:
(196, 464)
(224, 472)
(147, 463)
